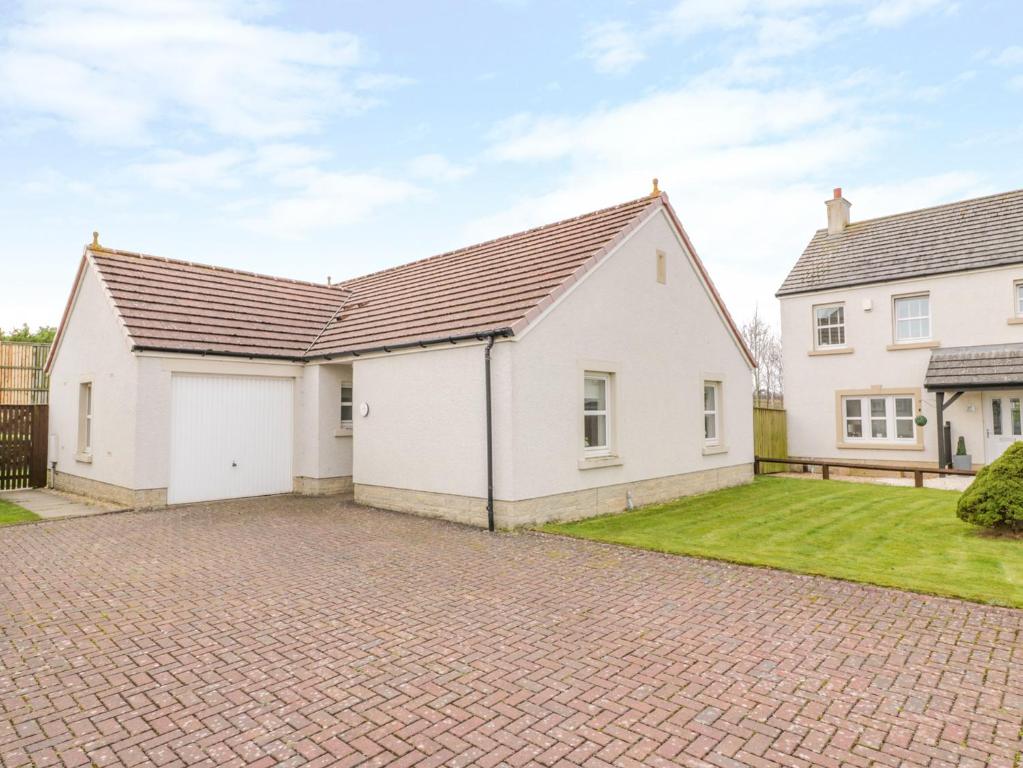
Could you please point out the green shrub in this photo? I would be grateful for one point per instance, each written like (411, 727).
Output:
(995, 498)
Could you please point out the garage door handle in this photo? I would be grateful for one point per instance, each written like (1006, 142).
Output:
(234, 463)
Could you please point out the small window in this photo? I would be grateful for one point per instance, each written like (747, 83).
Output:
(1014, 417)
(830, 325)
(85, 417)
(912, 318)
(996, 416)
(1019, 297)
(712, 412)
(596, 425)
(662, 267)
(346, 405)
(879, 418)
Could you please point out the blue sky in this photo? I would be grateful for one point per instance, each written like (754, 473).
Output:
(310, 139)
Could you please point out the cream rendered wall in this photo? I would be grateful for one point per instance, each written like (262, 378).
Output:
(93, 347)
(967, 309)
(660, 340)
(327, 450)
(425, 429)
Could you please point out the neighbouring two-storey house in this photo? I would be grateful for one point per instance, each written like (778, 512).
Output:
(916, 314)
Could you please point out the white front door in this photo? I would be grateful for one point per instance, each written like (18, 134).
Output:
(1003, 422)
(230, 437)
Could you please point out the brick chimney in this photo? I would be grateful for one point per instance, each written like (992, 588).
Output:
(838, 212)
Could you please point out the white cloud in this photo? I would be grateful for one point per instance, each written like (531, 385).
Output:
(612, 47)
(109, 70)
(437, 168)
(892, 13)
(182, 172)
(325, 200)
(1010, 57)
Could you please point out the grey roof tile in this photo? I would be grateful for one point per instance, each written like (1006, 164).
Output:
(957, 237)
(989, 366)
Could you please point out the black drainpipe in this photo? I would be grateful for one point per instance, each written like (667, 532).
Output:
(490, 436)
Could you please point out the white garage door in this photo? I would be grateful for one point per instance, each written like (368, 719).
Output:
(231, 436)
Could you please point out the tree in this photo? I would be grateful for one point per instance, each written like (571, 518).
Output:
(44, 334)
(765, 346)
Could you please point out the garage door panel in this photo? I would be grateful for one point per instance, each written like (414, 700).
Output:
(231, 437)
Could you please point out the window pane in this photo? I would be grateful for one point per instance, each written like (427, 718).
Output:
(708, 397)
(996, 416)
(595, 396)
(904, 429)
(904, 407)
(879, 428)
(346, 393)
(878, 407)
(853, 428)
(1019, 299)
(595, 431)
(1015, 416)
(710, 426)
(853, 408)
(346, 412)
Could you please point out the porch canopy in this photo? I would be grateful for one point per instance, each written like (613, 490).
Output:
(957, 369)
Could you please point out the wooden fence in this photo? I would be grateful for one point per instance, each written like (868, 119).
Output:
(760, 461)
(770, 436)
(23, 446)
(22, 378)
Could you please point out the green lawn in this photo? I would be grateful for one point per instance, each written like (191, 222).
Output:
(12, 513)
(893, 536)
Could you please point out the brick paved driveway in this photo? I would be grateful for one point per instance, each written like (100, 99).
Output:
(303, 632)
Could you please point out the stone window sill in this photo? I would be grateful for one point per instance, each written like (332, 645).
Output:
(343, 432)
(838, 351)
(711, 450)
(83, 458)
(596, 462)
(914, 345)
(1015, 321)
(869, 446)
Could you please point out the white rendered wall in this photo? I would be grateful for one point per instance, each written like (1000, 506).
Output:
(93, 347)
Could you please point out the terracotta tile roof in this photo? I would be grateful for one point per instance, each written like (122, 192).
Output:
(497, 286)
(970, 234)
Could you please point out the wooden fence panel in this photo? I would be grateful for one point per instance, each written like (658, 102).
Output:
(23, 380)
(770, 437)
(23, 445)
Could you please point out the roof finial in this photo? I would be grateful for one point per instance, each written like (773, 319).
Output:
(655, 191)
(95, 240)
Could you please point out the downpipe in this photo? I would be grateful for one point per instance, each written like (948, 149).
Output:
(490, 434)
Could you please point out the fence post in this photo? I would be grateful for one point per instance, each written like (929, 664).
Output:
(825, 472)
(756, 466)
(918, 478)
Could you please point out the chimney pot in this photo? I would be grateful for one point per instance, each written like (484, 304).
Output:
(838, 212)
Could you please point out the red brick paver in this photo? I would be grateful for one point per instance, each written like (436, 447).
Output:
(308, 632)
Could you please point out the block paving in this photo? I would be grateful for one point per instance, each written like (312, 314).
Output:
(313, 632)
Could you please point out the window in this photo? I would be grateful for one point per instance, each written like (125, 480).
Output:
(346, 405)
(830, 325)
(596, 425)
(85, 418)
(879, 418)
(1014, 417)
(1019, 297)
(912, 318)
(996, 416)
(712, 412)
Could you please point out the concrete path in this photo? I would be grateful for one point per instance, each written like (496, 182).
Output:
(289, 631)
(53, 505)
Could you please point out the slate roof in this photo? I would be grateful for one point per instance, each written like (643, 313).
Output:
(957, 237)
(990, 366)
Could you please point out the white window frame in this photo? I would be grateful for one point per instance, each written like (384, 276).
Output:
(346, 423)
(1017, 295)
(890, 419)
(714, 385)
(85, 408)
(599, 450)
(896, 319)
(839, 305)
